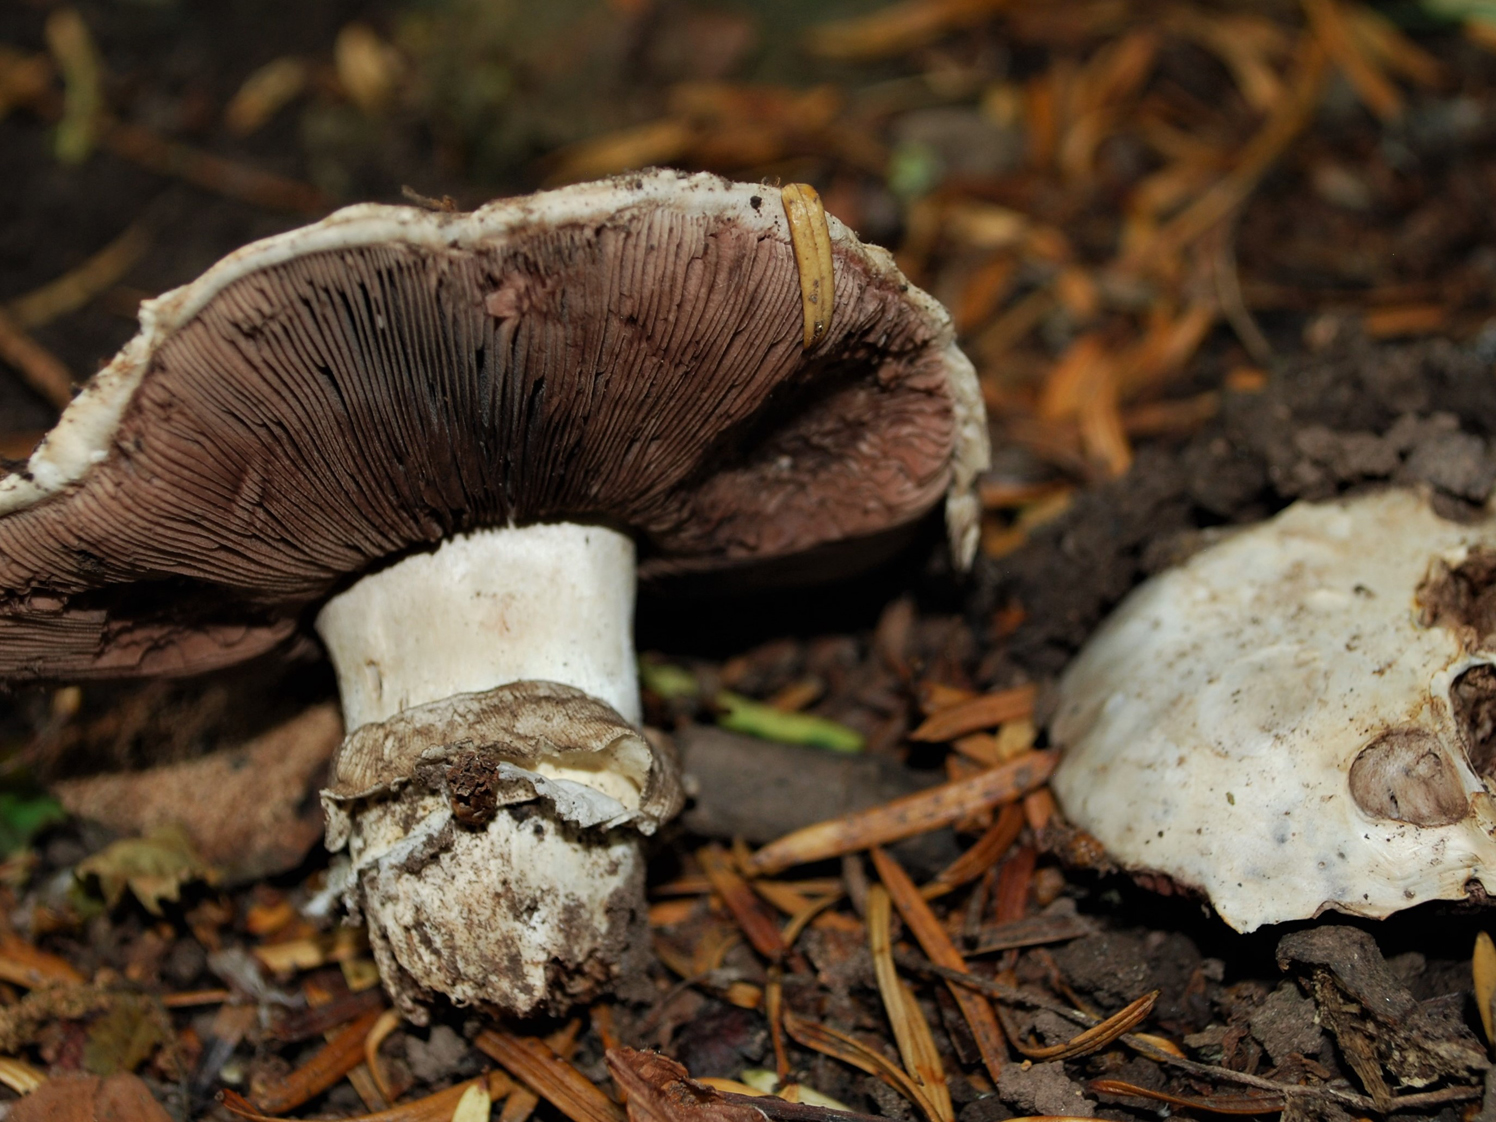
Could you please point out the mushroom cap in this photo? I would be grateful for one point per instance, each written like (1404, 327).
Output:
(1296, 719)
(628, 352)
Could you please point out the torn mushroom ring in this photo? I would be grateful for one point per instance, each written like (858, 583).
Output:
(452, 441)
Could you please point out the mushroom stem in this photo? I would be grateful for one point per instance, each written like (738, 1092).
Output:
(550, 602)
(493, 786)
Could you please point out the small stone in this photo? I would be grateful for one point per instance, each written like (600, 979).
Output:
(1455, 462)
(436, 1057)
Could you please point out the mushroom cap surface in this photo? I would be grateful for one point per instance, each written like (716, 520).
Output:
(1296, 719)
(627, 352)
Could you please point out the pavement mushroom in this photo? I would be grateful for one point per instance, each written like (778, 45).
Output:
(1299, 718)
(440, 439)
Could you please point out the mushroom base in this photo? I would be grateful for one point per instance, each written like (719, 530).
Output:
(527, 914)
(495, 846)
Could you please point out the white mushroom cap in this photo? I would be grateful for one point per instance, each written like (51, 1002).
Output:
(1287, 721)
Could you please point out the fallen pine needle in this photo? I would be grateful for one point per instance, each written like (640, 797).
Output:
(1483, 967)
(433, 1108)
(907, 816)
(388, 1022)
(189, 998)
(747, 910)
(79, 285)
(911, 1032)
(1093, 1038)
(520, 1104)
(980, 857)
(38, 367)
(19, 1076)
(840, 1046)
(341, 1054)
(660, 1090)
(984, 712)
(896, 28)
(1333, 31)
(534, 1064)
(1215, 1104)
(1168, 1053)
(933, 940)
(213, 173)
(1294, 110)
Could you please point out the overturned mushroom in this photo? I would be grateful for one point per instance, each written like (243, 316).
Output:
(441, 437)
(1301, 717)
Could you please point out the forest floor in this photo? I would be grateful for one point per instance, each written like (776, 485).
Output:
(1209, 259)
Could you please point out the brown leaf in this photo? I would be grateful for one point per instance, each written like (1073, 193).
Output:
(246, 809)
(21, 964)
(87, 1098)
(126, 1035)
(154, 867)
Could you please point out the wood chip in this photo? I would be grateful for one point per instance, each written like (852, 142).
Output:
(1032, 931)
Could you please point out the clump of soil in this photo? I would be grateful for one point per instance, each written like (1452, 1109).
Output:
(1355, 416)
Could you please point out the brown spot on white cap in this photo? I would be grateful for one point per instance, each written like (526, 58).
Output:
(1404, 775)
